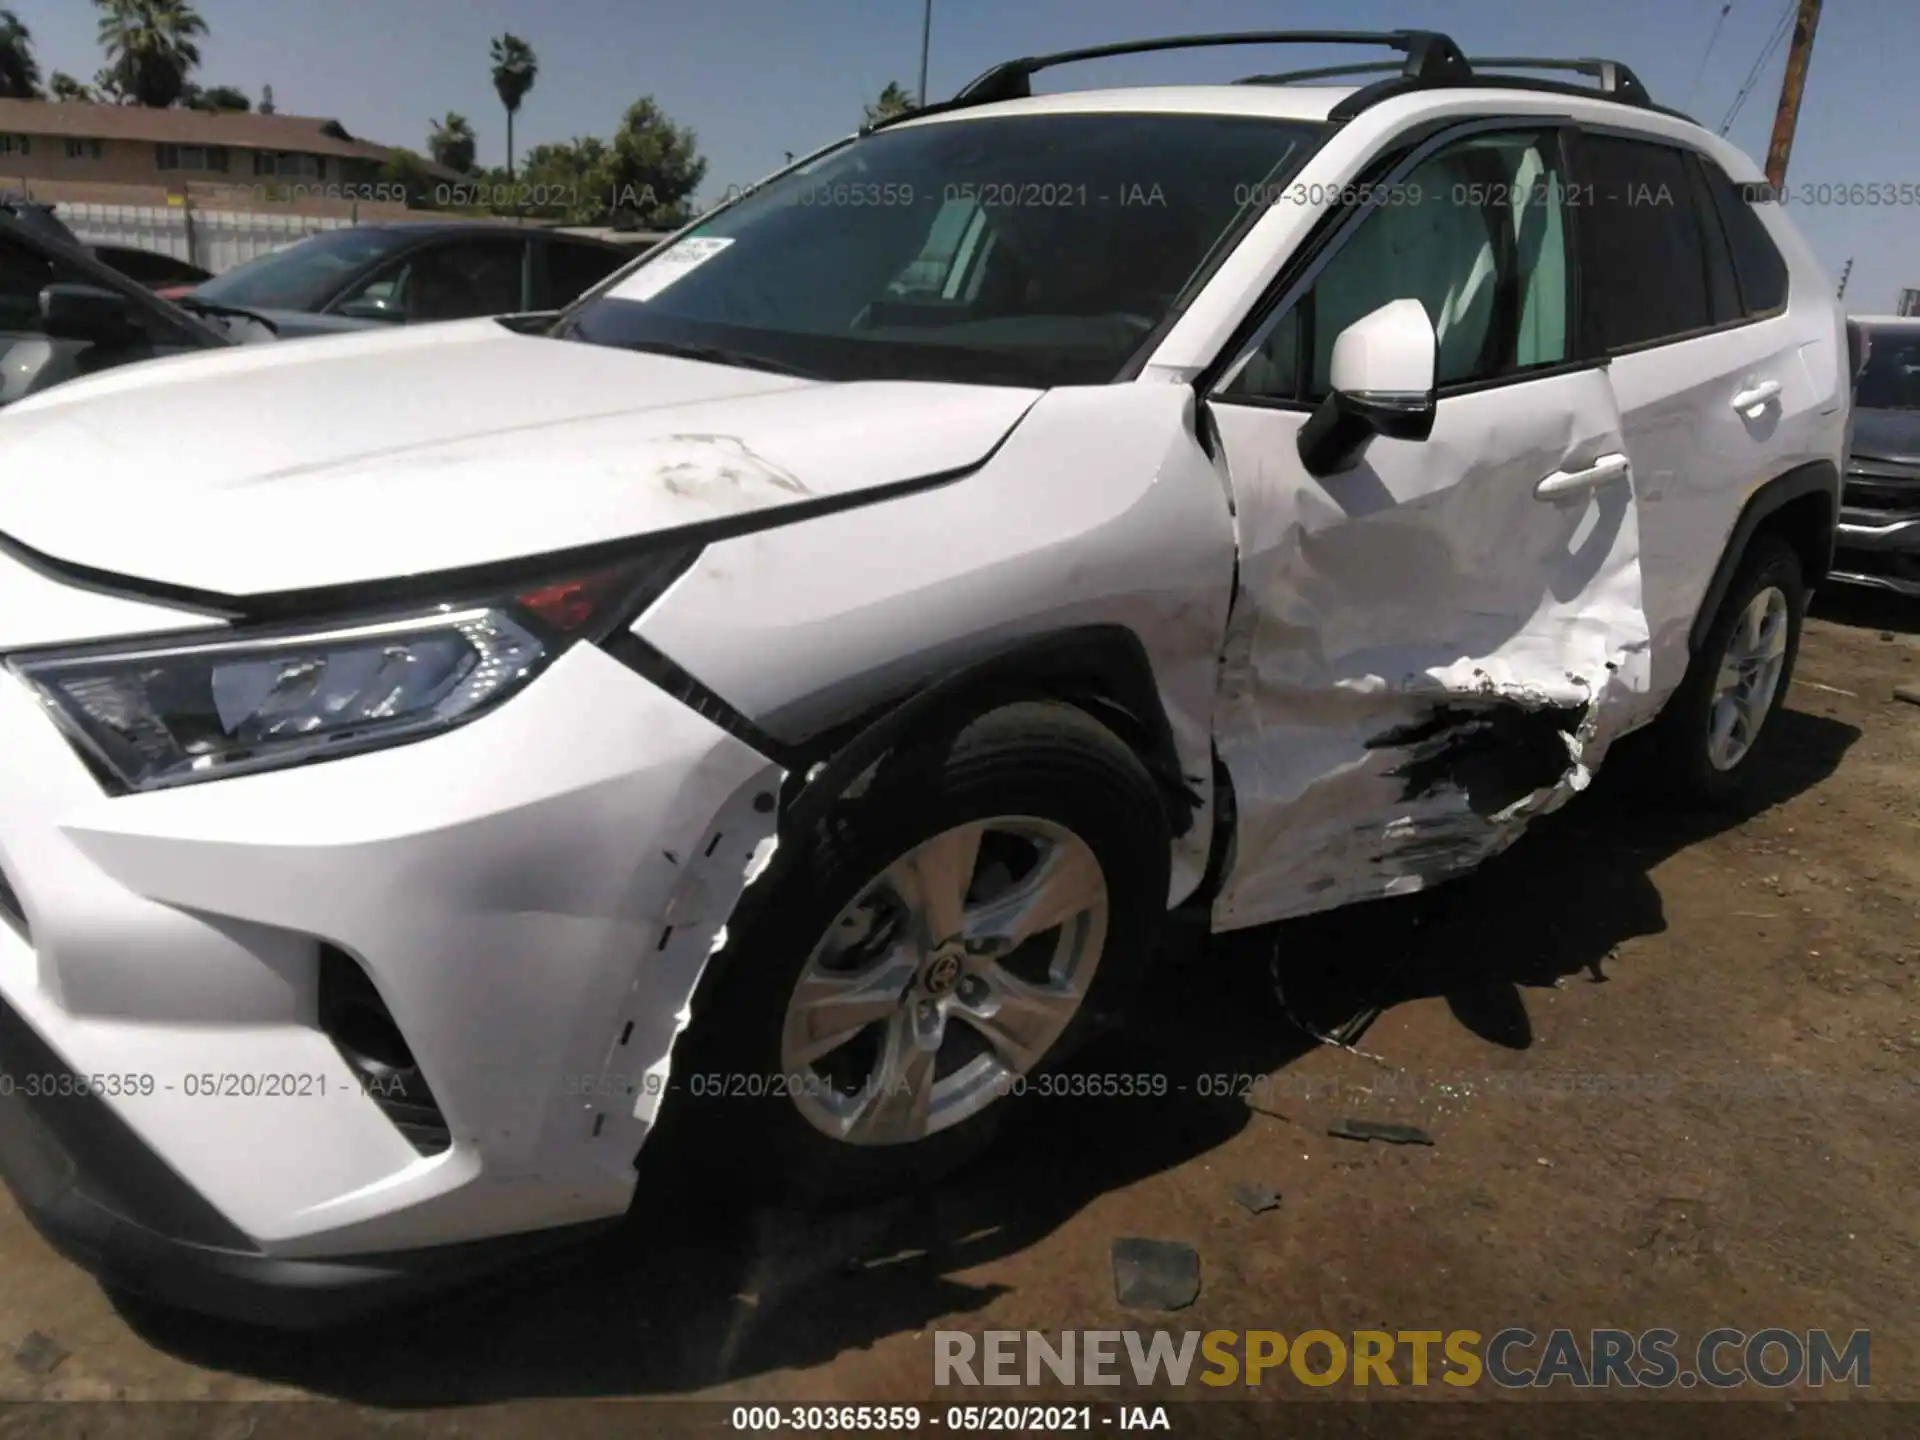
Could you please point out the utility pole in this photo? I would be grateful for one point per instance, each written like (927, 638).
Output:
(1791, 87)
(1846, 270)
(926, 35)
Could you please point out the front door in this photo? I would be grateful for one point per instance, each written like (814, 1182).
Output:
(1436, 645)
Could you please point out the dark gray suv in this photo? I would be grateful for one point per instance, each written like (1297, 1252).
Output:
(1879, 539)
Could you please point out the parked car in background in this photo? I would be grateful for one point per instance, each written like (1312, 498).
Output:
(146, 267)
(65, 314)
(152, 269)
(1879, 541)
(412, 271)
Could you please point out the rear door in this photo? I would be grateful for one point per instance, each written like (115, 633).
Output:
(1687, 296)
(1430, 648)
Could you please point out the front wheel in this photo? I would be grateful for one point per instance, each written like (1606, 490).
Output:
(968, 921)
(1714, 733)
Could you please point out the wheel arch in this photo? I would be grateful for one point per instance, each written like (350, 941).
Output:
(1101, 669)
(1802, 507)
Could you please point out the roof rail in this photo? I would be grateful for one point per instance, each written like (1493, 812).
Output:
(1430, 58)
(1617, 83)
(1433, 62)
(1325, 72)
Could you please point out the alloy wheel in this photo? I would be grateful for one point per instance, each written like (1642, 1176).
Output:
(949, 977)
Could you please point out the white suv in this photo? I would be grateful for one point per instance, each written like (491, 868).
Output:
(848, 634)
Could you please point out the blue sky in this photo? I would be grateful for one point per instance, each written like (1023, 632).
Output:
(756, 78)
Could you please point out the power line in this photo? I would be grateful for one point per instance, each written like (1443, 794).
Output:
(1708, 54)
(1780, 33)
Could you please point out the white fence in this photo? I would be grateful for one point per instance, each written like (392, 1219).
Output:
(215, 240)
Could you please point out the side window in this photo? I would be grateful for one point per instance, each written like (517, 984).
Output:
(457, 280)
(1645, 277)
(574, 269)
(1477, 235)
(1757, 262)
(1723, 290)
(23, 275)
(466, 278)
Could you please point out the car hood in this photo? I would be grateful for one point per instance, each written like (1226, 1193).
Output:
(347, 459)
(1891, 436)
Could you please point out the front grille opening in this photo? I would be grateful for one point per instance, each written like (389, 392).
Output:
(1880, 502)
(362, 1029)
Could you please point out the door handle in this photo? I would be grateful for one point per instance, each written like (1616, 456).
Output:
(1564, 483)
(1753, 401)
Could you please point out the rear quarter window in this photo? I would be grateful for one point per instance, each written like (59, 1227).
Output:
(1757, 263)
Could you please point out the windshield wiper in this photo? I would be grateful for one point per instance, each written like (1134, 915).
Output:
(721, 355)
(197, 306)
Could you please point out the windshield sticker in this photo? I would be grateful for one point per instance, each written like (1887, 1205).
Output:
(670, 265)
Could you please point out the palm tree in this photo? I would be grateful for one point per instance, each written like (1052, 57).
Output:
(62, 86)
(515, 68)
(452, 142)
(894, 100)
(150, 49)
(19, 71)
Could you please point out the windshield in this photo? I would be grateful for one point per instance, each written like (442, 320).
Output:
(303, 274)
(1891, 379)
(1030, 250)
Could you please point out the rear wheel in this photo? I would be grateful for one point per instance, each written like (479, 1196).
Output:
(963, 925)
(1715, 732)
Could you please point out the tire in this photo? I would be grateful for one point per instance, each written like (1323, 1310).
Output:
(1683, 753)
(746, 1086)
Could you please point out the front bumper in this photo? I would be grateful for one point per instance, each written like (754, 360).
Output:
(1878, 542)
(104, 1200)
(532, 897)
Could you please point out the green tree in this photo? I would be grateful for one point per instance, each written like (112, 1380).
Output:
(217, 98)
(19, 71)
(515, 68)
(644, 176)
(567, 178)
(266, 99)
(63, 86)
(452, 142)
(654, 169)
(894, 100)
(150, 49)
(409, 170)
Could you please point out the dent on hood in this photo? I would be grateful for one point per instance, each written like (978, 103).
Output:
(720, 467)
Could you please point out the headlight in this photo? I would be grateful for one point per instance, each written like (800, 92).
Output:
(173, 711)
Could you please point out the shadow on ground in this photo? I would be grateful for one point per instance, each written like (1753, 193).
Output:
(688, 1296)
(1865, 609)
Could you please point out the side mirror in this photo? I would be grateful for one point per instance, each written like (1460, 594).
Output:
(1381, 384)
(88, 312)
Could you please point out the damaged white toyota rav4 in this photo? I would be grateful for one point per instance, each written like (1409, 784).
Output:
(789, 694)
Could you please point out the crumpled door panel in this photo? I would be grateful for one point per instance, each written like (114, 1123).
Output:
(1423, 655)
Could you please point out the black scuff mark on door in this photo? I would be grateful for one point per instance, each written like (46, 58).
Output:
(1496, 753)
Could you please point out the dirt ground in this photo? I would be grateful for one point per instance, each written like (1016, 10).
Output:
(1669, 1065)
